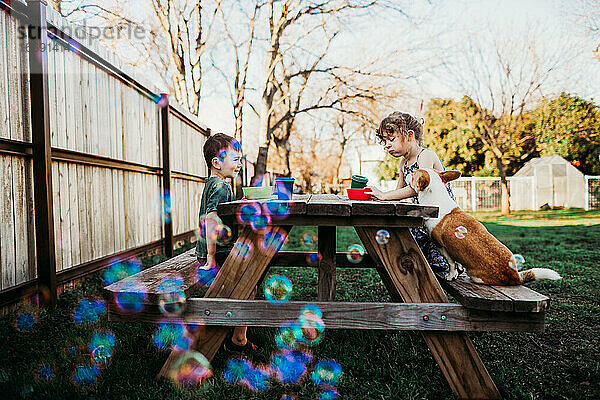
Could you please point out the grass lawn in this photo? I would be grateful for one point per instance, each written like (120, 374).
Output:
(561, 363)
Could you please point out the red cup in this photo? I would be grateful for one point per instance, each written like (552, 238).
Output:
(359, 194)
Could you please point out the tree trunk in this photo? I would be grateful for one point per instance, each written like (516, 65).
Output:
(505, 201)
(260, 167)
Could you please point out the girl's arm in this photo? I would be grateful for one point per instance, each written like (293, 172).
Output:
(428, 159)
(402, 191)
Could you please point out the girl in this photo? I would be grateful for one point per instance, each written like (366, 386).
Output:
(402, 136)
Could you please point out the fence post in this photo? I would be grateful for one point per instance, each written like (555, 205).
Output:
(42, 161)
(473, 194)
(587, 193)
(166, 181)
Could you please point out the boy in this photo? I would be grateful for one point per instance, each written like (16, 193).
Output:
(222, 155)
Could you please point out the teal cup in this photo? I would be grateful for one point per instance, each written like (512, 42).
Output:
(358, 182)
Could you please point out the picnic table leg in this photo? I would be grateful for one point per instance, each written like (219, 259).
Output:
(326, 246)
(410, 277)
(236, 279)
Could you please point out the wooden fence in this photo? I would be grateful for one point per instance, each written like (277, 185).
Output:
(92, 169)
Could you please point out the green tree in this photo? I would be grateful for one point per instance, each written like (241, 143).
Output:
(570, 127)
(456, 132)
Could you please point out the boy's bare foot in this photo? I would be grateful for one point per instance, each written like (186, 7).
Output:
(206, 276)
(233, 347)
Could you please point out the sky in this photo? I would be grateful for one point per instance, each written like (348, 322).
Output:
(431, 35)
(436, 24)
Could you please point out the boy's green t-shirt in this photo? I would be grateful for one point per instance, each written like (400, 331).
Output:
(216, 191)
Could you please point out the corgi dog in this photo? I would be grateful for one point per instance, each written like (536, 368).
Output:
(464, 240)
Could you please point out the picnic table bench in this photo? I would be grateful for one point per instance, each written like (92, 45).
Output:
(419, 302)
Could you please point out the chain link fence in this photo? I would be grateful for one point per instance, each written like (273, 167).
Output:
(485, 193)
(592, 192)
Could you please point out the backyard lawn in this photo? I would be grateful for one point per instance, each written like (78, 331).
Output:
(561, 363)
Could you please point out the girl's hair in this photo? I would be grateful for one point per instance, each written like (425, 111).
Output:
(399, 123)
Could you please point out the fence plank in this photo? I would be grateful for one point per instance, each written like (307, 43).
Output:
(7, 224)
(82, 203)
(65, 215)
(4, 98)
(74, 214)
(30, 213)
(56, 209)
(52, 93)
(14, 77)
(70, 127)
(59, 79)
(122, 220)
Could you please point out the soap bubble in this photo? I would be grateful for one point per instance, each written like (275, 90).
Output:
(118, 270)
(355, 253)
(191, 369)
(329, 394)
(101, 356)
(105, 339)
(236, 370)
(241, 371)
(314, 259)
(243, 249)
(131, 297)
(207, 276)
(312, 328)
(172, 303)
(326, 373)
(308, 239)
(45, 372)
(311, 309)
(25, 321)
(460, 232)
(210, 227)
(516, 261)
(382, 236)
(278, 209)
(278, 289)
(86, 374)
(259, 222)
(273, 239)
(288, 335)
(88, 311)
(167, 334)
(224, 235)
(247, 211)
(290, 366)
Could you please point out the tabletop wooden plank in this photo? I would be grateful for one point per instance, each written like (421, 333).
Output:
(416, 210)
(296, 206)
(371, 207)
(328, 204)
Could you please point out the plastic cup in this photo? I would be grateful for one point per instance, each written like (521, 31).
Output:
(284, 188)
(358, 182)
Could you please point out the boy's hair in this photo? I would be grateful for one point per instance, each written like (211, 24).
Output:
(399, 123)
(216, 144)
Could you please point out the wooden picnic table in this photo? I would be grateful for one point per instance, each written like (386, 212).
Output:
(419, 301)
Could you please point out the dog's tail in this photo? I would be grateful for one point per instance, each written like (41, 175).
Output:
(539, 274)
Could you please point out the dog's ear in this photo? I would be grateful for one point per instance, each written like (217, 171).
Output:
(448, 176)
(423, 179)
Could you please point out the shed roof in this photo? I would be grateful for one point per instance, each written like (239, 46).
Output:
(555, 159)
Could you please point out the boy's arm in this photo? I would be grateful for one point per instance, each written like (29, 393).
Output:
(211, 244)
